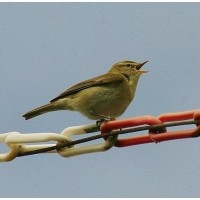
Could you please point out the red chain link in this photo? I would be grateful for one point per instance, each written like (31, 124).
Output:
(152, 136)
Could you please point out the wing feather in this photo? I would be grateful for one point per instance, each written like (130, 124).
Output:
(97, 81)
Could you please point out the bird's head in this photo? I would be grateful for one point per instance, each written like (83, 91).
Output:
(128, 68)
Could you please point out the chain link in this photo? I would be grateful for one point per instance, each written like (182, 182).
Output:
(110, 130)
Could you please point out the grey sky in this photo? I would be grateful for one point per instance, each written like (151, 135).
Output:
(47, 47)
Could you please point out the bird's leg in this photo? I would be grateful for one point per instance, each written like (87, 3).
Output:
(105, 118)
(102, 119)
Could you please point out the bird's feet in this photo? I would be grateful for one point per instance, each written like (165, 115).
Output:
(103, 120)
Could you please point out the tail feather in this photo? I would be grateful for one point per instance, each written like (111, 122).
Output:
(39, 111)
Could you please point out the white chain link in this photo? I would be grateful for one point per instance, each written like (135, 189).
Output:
(19, 143)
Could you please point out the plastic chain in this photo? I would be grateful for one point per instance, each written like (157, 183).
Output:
(152, 136)
(17, 142)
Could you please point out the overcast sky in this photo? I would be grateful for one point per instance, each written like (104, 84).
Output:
(47, 47)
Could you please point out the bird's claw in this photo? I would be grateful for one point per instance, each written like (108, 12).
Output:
(103, 120)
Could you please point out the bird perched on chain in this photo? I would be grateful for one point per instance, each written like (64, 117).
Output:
(103, 97)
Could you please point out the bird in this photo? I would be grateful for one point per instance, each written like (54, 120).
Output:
(103, 97)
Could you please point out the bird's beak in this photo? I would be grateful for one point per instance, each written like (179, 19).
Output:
(140, 65)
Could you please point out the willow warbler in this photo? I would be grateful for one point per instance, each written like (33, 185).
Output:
(103, 97)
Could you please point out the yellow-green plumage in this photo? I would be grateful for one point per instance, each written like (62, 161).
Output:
(105, 96)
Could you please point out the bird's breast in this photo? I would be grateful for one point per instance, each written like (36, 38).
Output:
(110, 101)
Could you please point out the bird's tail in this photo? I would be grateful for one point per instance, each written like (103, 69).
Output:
(39, 111)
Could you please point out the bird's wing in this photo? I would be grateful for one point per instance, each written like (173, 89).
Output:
(97, 81)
